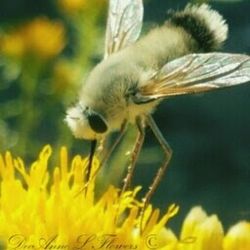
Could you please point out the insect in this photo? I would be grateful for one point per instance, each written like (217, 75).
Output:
(136, 75)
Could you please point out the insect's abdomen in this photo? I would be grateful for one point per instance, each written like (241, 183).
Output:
(195, 29)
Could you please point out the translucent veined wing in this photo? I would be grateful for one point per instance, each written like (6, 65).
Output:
(195, 73)
(123, 25)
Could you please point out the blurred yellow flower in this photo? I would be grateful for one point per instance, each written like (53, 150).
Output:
(72, 6)
(44, 37)
(43, 210)
(12, 44)
(40, 37)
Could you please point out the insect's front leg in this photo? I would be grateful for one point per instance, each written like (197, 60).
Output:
(160, 173)
(140, 123)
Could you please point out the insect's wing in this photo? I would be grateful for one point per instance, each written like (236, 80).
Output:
(196, 73)
(124, 24)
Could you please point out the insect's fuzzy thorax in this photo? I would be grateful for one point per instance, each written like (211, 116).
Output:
(108, 86)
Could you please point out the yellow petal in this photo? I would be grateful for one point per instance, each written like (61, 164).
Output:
(166, 240)
(195, 217)
(208, 235)
(238, 237)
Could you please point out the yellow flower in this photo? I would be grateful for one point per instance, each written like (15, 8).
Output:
(12, 45)
(44, 37)
(40, 209)
(41, 37)
(72, 6)
(43, 210)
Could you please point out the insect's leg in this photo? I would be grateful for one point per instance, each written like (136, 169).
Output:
(140, 123)
(117, 140)
(105, 158)
(160, 173)
(135, 152)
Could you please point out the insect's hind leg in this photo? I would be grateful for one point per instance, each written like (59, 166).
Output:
(160, 173)
(135, 152)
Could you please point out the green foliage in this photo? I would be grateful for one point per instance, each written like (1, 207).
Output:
(200, 1)
(42, 65)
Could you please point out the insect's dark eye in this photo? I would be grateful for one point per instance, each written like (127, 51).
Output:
(97, 123)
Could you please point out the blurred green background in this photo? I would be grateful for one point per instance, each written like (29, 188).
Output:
(46, 50)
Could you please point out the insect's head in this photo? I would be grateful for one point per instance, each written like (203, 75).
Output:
(86, 123)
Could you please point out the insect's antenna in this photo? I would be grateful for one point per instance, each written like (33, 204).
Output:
(91, 157)
(160, 173)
